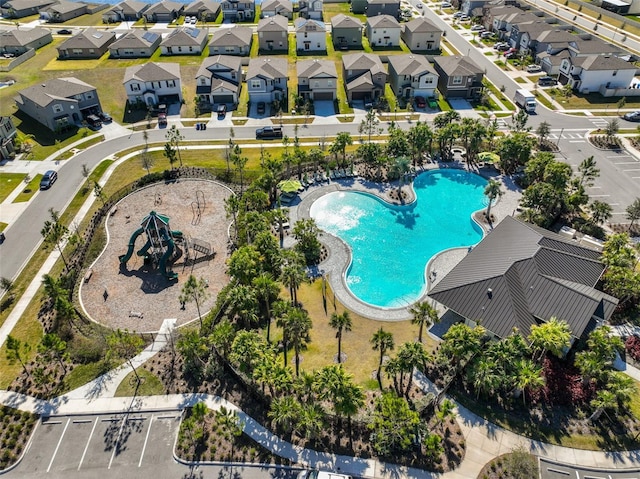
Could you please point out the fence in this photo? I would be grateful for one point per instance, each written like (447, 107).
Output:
(18, 60)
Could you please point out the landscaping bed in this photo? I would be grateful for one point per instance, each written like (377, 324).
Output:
(15, 432)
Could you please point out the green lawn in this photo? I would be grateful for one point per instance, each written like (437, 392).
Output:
(151, 385)
(592, 100)
(8, 183)
(330, 10)
(29, 190)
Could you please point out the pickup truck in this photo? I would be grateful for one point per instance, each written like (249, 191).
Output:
(269, 133)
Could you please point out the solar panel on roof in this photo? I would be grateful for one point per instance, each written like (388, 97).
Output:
(97, 35)
(150, 37)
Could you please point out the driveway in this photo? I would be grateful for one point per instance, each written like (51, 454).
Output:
(324, 108)
(462, 105)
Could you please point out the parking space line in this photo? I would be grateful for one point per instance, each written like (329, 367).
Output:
(95, 423)
(637, 169)
(577, 141)
(115, 444)
(144, 446)
(81, 421)
(58, 445)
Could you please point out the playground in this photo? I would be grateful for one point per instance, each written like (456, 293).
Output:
(157, 237)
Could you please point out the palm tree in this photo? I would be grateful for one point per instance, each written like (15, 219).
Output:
(266, 288)
(298, 325)
(400, 166)
(588, 171)
(242, 303)
(484, 376)
(340, 322)
(600, 211)
(528, 376)
(292, 276)
(284, 412)
(492, 191)
(446, 410)
(382, 341)
(553, 337)
(423, 315)
(412, 356)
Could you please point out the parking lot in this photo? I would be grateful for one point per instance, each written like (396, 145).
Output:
(83, 443)
(553, 470)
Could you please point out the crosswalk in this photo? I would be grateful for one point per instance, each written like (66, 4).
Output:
(599, 122)
(575, 137)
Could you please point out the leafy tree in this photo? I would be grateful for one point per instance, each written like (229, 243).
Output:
(124, 345)
(54, 347)
(170, 153)
(420, 137)
(174, 138)
(306, 232)
(370, 125)
(195, 290)
(55, 233)
(552, 337)
(633, 212)
(394, 425)
(17, 350)
(521, 463)
(514, 151)
(231, 208)
(397, 144)
(7, 286)
(519, 121)
(341, 323)
(492, 191)
(543, 131)
(611, 130)
(621, 278)
(382, 341)
(423, 314)
(244, 264)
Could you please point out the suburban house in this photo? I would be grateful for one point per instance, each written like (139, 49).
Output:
(127, 11)
(543, 40)
(420, 34)
(17, 42)
(346, 32)
(62, 11)
(8, 133)
(238, 11)
(473, 8)
(588, 74)
(317, 79)
(24, 8)
(273, 33)
(311, 35)
(185, 41)
(383, 31)
(459, 76)
(271, 8)
(411, 76)
(382, 7)
(502, 23)
(532, 29)
(522, 275)
(165, 11)
(231, 41)
(203, 10)
(153, 83)
(310, 9)
(135, 44)
(267, 79)
(59, 102)
(550, 62)
(219, 80)
(593, 46)
(364, 76)
(89, 43)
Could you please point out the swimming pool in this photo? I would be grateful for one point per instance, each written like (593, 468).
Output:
(391, 245)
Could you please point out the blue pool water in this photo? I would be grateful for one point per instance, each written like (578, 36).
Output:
(391, 245)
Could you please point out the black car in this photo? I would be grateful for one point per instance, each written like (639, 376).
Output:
(262, 107)
(222, 111)
(65, 31)
(633, 116)
(105, 117)
(546, 81)
(48, 179)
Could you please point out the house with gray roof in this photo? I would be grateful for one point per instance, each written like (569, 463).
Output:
(317, 79)
(382, 7)
(273, 34)
(420, 34)
(521, 275)
(543, 40)
(62, 11)
(8, 134)
(165, 11)
(532, 28)
(20, 41)
(383, 31)
(311, 9)
(593, 46)
(127, 11)
(238, 10)
(311, 35)
(271, 8)
(89, 43)
(24, 8)
(458, 76)
(151, 84)
(185, 41)
(412, 75)
(588, 74)
(267, 79)
(550, 62)
(203, 10)
(231, 41)
(364, 76)
(135, 44)
(59, 103)
(219, 80)
(346, 32)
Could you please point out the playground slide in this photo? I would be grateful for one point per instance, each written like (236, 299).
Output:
(165, 257)
(132, 243)
(143, 251)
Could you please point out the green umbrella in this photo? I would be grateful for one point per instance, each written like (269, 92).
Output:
(289, 186)
(489, 157)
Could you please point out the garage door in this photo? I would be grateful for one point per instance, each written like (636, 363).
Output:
(325, 95)
(223, 99)
(359, 95)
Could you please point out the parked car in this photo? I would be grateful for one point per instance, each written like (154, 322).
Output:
(194, 20)
(105, 117)
(501, 46)
(510, 55)
(633, 116)
(510, 51)
(477, 28)
(534, 68)
(64, 31)
(465, 18)
(269, 133)
(48, 179)
(420, 102)
(262, 107)
(94, 122)
(222, 111)
(458, 15)
(547, 81)
(368, 102)
(419, 5)
(445, 5)
(162, 119)
(486, 34)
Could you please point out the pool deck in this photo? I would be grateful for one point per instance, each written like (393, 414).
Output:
(339, 254)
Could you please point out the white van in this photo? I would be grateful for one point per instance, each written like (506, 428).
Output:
(314, 474)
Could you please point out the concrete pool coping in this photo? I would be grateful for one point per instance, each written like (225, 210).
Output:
(339, 254)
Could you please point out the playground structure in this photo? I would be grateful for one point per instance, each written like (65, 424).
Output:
(160, 248)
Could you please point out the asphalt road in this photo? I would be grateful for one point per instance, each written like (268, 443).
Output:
(120, 445)
(555, 470)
